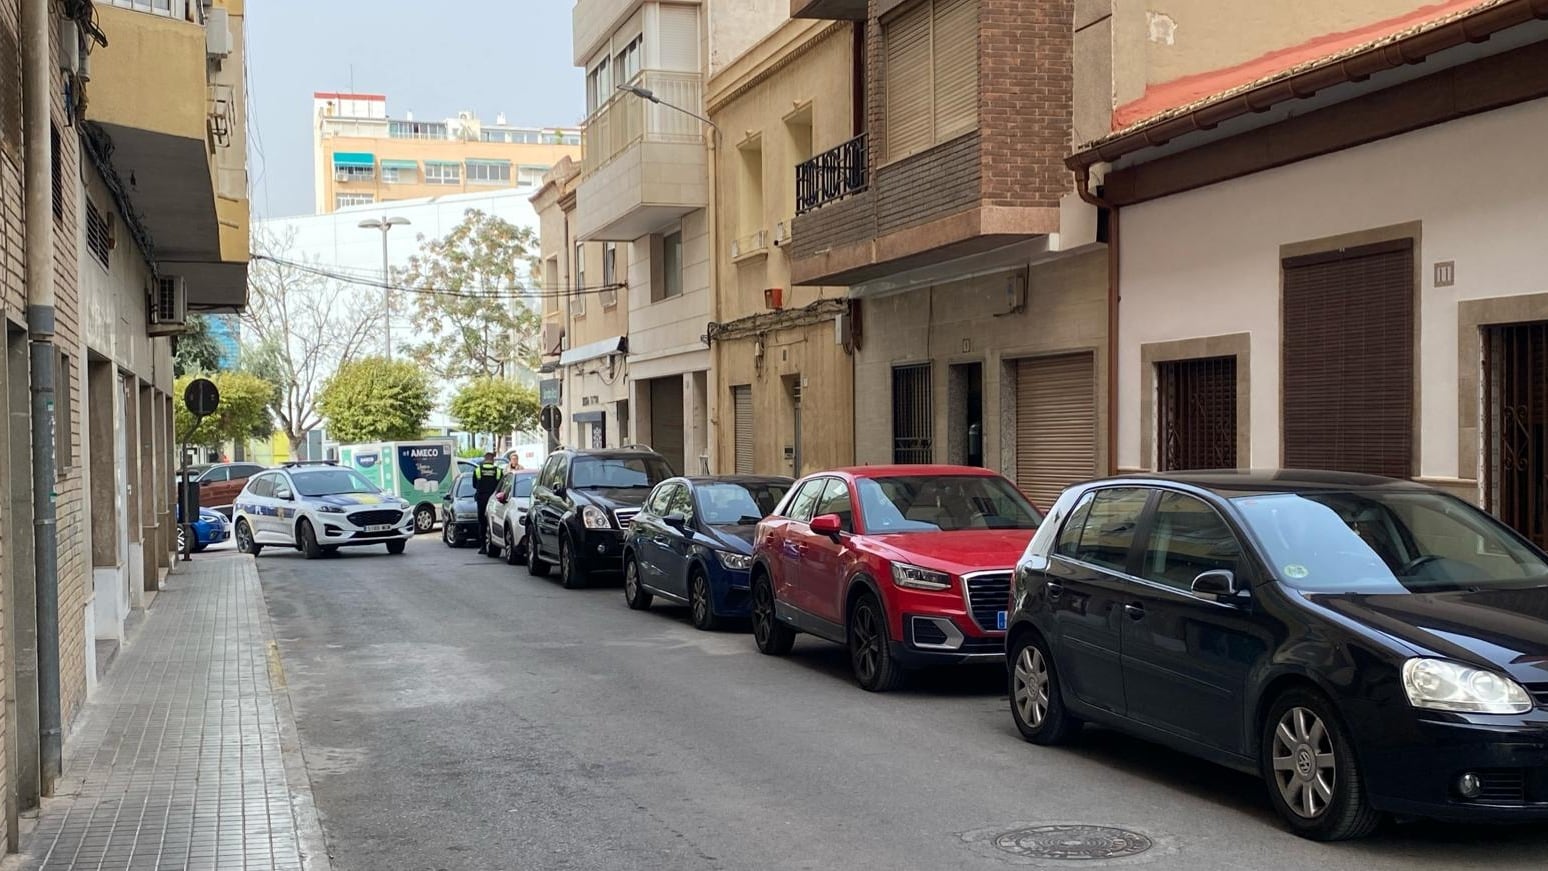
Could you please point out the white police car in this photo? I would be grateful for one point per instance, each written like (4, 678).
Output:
(318, 508)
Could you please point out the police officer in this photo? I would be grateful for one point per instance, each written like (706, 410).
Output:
(486, 479)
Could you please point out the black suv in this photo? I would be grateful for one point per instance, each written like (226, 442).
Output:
(582, 504)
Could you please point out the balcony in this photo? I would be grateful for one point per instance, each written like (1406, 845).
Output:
(151, 97)
(829, 10)
(645, 163)
(832, 175)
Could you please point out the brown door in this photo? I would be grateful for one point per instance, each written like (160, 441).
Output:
(1516, 427)
(1196, 426)
(1055, 425)
(742, 405)
(666, 420)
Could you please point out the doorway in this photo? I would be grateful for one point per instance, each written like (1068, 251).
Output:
(1516, 427)
(965, 398)
(793, 401)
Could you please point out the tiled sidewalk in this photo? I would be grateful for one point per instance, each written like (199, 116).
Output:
(178, 762)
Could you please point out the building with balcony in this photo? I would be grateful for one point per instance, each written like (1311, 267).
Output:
(783, 372)
(363, 155)
(980, 288)
(145, 181)
(645, 187)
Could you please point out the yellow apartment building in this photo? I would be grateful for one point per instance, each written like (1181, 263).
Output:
(362, 155)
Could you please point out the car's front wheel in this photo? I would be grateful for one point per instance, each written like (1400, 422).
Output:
(309, 546)
(870, 652)
(571, 575)
(1036, 705)
(772, 637)
(535, 565)
(245, 541)
(635, 595)
(1309, 763)
(701, 605)
(424, 519)
(449, 534)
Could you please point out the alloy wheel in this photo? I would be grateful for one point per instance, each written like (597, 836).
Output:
(631, 580)
(1305, 767)
(763, 612)
(1031, 688)
(424, 520)
(867, 643)
(244, 537)
(699, 597)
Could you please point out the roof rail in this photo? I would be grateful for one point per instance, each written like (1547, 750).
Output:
(636, 447)
(292, 464)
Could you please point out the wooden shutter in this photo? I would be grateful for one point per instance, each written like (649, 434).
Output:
(1055, 425)
(679, 48)
(955, 35)
(741, 401)
(906, 80)
(1348, 367)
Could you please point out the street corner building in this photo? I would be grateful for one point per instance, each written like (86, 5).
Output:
(123, 162)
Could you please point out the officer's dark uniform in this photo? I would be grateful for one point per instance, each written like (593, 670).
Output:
(486, 479)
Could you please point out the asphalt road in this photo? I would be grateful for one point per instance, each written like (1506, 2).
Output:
(456, 713)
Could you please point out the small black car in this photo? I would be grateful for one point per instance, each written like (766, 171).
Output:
(1366, 646)
(581, 507)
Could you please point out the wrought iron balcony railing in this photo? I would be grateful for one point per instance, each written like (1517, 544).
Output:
(832, 175)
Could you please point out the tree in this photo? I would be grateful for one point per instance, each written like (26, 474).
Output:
(243, 411)
(374, 399)
(472, 300)
(495, 406)
(304, 326)
(196, 349)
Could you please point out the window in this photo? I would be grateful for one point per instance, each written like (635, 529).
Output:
(64, 432)
(943, 502)
(344, 201)
(416, 130)
(738, 504)
(913, 420)
(1187, 539)
(1196, 423)
(599, 86)
(570, 139)
(1069, 537)
(607, 473)
(350, 173)
(489, 172)
(660, 498)
(443, 173)
(609, 293)
(805, 501)
(55, 147)
(749, 192)
(98, 235)
(835, 500)
(522, 487)
(627, 62)
(578, 298)
(332, 482)
(672, 265)
(930, 74)
(263, 485)
(216, 475)
(681, 503)
(400, 171)
(1109, 528)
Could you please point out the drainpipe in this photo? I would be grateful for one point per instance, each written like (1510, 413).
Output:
(1114, 253)
(37, 96)
(712, 378)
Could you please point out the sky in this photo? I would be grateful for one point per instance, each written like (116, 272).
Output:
(433, 59)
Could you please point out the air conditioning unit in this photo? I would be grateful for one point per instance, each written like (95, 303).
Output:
(343, 176)
(69, 37)
(217, 32)
(781, 233)
(168, 305)
(564, 343)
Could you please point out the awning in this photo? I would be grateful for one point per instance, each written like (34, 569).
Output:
(484, 161)
(354, 158)
(399, 164)
(614, 345)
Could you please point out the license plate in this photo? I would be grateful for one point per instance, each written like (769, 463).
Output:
(999, 620)
(380, 527)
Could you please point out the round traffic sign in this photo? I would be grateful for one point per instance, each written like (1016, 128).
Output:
(202, 397)
(550, 418)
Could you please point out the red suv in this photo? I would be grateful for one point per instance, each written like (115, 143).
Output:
(908, 566)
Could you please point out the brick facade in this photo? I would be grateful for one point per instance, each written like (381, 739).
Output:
(929, 185)
(1026, 97)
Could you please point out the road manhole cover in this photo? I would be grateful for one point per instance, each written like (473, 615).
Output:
(1077, 842)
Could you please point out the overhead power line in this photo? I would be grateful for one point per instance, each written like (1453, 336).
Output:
(515, 294)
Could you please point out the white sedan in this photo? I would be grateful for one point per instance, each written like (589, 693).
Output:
(318, 508)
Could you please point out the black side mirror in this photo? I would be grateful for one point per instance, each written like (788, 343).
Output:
(558, 489)
(1220, 584)
(676, 521)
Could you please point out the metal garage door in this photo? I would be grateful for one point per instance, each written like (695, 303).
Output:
(742, 407)
(666, 420)
(1055, 424)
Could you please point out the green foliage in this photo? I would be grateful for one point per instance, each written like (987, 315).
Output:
(470, 453)
(494, 406)
(243, 411)
(196, 350)
(372, 399)
(471, 304)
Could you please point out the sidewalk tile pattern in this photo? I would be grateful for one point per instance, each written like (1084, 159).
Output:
(178, 763)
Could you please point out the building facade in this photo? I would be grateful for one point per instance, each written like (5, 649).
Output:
(1319, 264)
(145, 204)
(362, 155)
(783, 374)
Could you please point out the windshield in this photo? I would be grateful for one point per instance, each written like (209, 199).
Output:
(331, 482)
(463, 489)
(729, 504)
(609, 473)
(523, 488)
(943, 504)
(1376, 542)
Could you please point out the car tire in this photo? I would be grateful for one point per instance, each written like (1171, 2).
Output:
(512, 549)
(1037, 703)
(308, 536)
(424, 519)
(773, 637)
(701, 605)
(870, 650)
(245, 541)
(635, 595)
(571, 575)
(491, 549)
(447, 536)
(1304, 745)
(396, 548)
(535, 565)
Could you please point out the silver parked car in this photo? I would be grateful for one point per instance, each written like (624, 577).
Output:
(507, 514)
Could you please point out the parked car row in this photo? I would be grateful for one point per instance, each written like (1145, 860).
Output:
(1367, 647)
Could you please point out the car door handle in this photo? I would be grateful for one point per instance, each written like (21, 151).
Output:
(1054, 588)
(1135, 611)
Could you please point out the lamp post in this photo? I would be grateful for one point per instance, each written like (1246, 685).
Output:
(648, 95)
(385, 225)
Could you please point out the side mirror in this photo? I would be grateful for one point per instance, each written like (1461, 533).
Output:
(676, 521)
(1220, 584)
(827, 524)
(284, 495)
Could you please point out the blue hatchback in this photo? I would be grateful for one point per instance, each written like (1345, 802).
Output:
(692, 544)
(211, 528)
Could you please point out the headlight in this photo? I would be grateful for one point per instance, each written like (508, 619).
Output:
(593, 518)
(403, 505)
(1448, 686)
(739, 562)
(916, 578)
(330, 509)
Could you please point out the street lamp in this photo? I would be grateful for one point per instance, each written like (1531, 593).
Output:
(648, 95)
(385, 224)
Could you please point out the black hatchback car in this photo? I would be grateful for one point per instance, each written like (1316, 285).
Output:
(582, 505)
(1366, 646)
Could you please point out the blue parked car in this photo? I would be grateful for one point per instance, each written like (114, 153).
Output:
(211, 528)
(692, 544)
